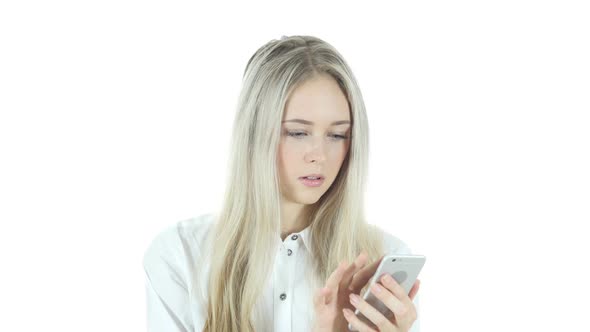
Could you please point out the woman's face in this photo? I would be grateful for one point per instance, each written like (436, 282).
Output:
(310, 141)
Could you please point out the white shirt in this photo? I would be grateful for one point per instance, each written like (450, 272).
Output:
(179, 255)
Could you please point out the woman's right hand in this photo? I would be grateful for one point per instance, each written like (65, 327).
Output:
(334, 296)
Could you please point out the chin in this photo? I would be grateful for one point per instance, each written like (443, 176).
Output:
(310, 199)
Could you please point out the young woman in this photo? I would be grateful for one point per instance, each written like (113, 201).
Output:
(287, 251)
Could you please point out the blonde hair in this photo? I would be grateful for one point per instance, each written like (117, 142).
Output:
(248, 222)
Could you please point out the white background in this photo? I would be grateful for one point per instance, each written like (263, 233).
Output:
(116, 116)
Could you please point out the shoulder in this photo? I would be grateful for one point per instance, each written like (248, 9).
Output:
(178, 241)
(393, 244)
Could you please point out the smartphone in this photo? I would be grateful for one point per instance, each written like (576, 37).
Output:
(404, 269)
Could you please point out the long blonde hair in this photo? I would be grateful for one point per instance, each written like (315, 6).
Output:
(248, 222)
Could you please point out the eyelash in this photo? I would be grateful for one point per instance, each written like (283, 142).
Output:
(296, 135)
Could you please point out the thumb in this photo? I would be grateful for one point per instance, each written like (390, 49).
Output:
(319, 297)
(414, 289)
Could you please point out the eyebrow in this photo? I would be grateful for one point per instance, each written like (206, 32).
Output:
(305, 122)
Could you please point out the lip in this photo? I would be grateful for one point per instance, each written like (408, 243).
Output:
(312, 183)
(314, 175)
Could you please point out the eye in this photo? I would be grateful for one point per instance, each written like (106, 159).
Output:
(340, 136)
(295, 134)
(298, 134)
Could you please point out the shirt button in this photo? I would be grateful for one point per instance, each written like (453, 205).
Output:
(289, 252)
(294, 237)
(283, 296)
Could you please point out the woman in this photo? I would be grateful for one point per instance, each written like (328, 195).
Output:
(274, 258)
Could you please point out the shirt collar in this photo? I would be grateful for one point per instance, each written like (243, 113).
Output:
(306, 237)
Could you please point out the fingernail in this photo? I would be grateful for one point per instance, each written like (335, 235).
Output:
(354, 299)
(377, 288)
(346, 312)
(387, 279)
(401, 309)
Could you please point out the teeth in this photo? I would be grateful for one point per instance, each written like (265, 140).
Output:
(312, 177)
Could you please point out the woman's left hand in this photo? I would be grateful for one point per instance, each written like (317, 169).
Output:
(395, 298)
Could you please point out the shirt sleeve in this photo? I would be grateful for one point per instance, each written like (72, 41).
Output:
(166, 285)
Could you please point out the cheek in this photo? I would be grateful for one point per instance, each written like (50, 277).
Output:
(337, 158)
(285, 157)
(345, 149)
(338, 153)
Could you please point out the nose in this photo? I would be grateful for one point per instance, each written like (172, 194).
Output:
(317, 152)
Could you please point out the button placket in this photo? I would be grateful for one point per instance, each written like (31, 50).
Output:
(282, 287)
(294, 237)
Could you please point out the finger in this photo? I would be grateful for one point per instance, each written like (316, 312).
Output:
(372, 314)
(356, 322)
(361, 278)
(359, 262)
(319, 297)
(395, 298)
(397, 307)
(327, 296)
(334, 280)
(396, 289)
(414, 290)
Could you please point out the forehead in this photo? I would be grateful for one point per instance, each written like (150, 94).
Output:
(319, 100)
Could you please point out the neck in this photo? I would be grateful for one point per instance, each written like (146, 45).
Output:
(294, 219)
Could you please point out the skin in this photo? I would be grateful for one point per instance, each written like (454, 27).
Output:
(316, 148)
(334, 307)
(313, 148)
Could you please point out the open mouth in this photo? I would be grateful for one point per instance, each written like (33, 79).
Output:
(312, 181)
